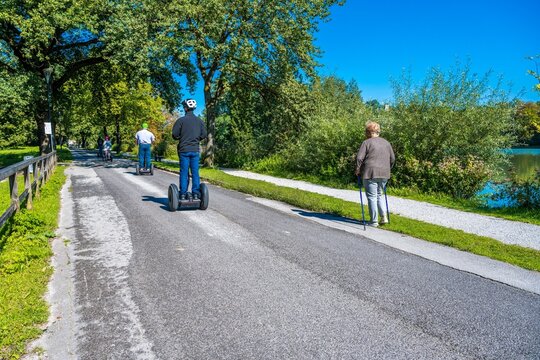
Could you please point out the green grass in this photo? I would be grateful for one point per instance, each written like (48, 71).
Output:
(64, 155)
(474, 206)
(5, 196)
(14, 155)
(24, 269)
(480, 245)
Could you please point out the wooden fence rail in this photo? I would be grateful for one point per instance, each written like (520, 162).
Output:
(42, 168)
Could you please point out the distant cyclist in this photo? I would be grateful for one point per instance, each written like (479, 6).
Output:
(144, 139)
(189, 130)
(107, 146)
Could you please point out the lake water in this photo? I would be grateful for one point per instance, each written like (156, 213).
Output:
(525, 163)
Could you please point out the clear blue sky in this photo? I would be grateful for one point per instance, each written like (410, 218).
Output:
(372, 41)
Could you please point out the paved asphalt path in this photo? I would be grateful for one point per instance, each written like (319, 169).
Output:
(244, 281)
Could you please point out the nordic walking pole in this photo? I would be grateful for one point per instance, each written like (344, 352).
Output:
(362, 203)
(386, 199)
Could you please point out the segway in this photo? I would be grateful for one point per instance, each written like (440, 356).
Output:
(175, 202)
(144, 170)
(107, 155)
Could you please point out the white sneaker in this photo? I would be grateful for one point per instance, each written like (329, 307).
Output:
(384, 219)
(373, 224)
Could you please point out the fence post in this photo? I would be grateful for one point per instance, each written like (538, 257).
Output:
(37, 174)
(43, 171)
(14, 191)
(28, 186)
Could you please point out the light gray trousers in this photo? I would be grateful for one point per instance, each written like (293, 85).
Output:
(374, 193)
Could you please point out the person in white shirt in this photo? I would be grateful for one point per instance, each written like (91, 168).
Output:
(107, 146)
(144, 138)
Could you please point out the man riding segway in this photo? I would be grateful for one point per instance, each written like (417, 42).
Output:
(189, 130)
(144, 139)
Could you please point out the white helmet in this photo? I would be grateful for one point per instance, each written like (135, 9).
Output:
(189, 103)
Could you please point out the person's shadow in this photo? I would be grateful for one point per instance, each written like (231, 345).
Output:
(329, 217)
(164, 202)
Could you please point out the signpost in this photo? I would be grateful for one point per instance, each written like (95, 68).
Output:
(48, 128)
(48, 131)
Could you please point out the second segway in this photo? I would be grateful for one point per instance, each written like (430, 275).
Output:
(144, 170)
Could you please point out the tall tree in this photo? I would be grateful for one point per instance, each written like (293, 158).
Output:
(70, 35)
(105, 102)
(15, 111)
(249, 39)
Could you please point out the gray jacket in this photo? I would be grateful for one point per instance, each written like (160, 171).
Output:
(375, 158)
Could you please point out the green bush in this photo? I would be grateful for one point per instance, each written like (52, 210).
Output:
(522, 193)
(333, 133)
(458, 178)
(161, 148)
(447, 132)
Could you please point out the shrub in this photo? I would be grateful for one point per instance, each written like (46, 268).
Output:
(450, 127)
(461, 178)
(522, 193)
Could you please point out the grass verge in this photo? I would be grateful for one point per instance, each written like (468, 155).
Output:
(480, 245)
(474, 206)
(14, 155)
(25, 270)
(5, 196)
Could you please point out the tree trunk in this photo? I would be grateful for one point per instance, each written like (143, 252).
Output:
(118, 137)
(83, 140)
(41, 118)
(210, 127)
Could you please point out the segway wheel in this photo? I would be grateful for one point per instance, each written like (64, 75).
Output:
(173, 197)
(152, 169)
(205, 198)
(137, 169)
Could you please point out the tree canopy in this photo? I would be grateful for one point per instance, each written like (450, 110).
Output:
(226, 43)
(69, 36)
(246, 43)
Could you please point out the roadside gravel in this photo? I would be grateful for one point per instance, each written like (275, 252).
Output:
(509, 232)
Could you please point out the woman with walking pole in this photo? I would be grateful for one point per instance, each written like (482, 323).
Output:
(374, 160)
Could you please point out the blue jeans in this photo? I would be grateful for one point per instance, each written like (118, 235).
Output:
(189, 160)
(374, 193)
(144, 155)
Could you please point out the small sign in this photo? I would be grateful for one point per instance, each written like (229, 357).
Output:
(31, 168)
(48, 128)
